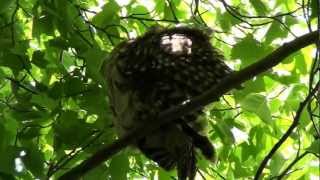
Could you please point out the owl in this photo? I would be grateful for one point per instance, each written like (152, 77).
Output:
(163, 68)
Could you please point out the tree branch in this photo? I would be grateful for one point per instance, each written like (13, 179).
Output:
(284, 137)
(234, 80)
(298, 158)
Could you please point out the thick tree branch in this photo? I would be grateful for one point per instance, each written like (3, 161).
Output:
(234, 80)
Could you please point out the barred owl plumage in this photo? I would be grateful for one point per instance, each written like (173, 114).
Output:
(161, 69)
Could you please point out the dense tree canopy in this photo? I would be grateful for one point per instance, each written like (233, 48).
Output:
(54, 115)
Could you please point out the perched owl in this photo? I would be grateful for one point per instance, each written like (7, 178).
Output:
(161, 69)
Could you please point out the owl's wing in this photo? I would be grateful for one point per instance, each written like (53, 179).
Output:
(122, 100)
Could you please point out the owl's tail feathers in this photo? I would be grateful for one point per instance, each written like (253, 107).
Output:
(159, 155)
(201, 142)
(180, 154)
(186, 163)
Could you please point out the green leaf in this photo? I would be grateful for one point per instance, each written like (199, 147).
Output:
(44, 100)
(68, 61)
(98, 173)
(141, 11)
(73, 86)
(170, 12)
(95, 58)
(259, 6)
(277, 163)
(66, 13)
(290, 21)
(288, 4)
(29, 133)
(71, 130)
(300, 63)
(11, 61)
(4, 138)
(243, 50)
(56, 90)
(275, 105)
(20, 50)
(290, 58)
(34, 161)
(296, 95)
(59, 42)
(164, 175)
(5, 43)
(5, 176)
(5, 4)
(275, 31)
(284, 78)
(241, 171)
(257, 138)
(257, 104)
(314, 8)
(31, 115)
(7, 159)
(38, 59)
(314, 147)
(224, 132)
(107, 15)
(79, 42)
(119, 166)
(6, 151)
(159, 8)
(227, 21)
(107, 19)
(94, 103)
(43, 24)
(253, 86)
(248, 150)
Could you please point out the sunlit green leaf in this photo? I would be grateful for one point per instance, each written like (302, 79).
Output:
(224, 132)
(259, 6)
(275, 31)
(243, 50)
(226, 21)
(108, 14)
(163, 175)
(276, 164)
(257, 103)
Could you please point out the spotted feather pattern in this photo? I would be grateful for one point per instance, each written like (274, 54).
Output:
(161, 69)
